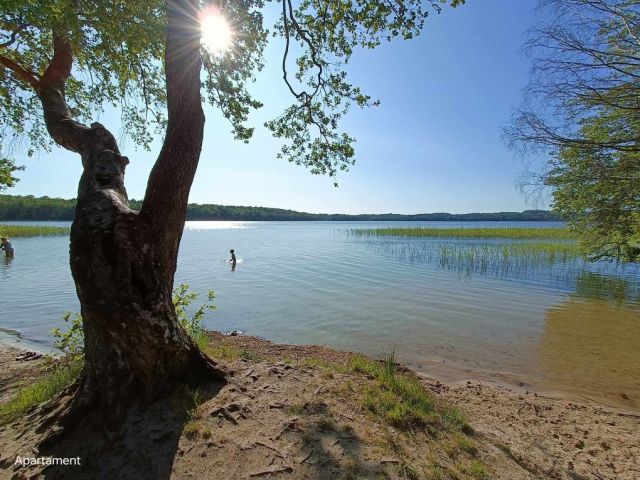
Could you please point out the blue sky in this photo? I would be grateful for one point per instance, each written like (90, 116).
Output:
(433, 145)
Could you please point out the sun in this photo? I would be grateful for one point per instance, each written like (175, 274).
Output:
(216, 33)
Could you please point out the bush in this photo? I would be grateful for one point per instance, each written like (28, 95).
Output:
(182, 298)
(70, 341)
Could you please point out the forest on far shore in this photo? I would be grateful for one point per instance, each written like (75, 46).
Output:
(18, 207)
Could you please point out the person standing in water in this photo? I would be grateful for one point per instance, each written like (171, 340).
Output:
(8, 248)
(233, 258)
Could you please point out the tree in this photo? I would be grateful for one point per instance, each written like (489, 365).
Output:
(64, 59)
(7, 169)
(582, 107)
(598, 189)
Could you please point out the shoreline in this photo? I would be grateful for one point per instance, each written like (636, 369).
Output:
(541, 436)
(448, 372)
(453, 373)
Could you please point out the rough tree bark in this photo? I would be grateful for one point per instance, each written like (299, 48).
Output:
(123, 261)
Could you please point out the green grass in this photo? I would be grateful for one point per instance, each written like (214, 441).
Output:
(40, 391)
(401, 399)
(475, 469)
(192, 399)
(458, 444)
(16, 231)
(519, 233)
(325, 365)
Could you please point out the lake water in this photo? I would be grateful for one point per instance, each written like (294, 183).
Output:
(569, 327)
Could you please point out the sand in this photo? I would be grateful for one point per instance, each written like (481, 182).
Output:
(282, 416)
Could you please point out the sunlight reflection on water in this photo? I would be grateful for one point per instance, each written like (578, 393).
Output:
(218, 225)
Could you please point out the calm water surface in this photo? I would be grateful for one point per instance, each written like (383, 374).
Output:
(569, 327)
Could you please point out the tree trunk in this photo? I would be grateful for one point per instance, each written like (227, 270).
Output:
(134, 346)
(122, 261)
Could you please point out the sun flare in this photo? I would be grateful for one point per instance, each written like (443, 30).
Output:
(216, 33)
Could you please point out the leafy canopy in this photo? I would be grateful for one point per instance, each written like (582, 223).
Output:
(582, 108)
(7, 169)
(118, 48)
(598, 189)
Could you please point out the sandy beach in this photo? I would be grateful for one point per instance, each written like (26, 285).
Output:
(282, 406)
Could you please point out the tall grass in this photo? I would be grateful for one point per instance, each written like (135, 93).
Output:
(509, 258)
(15, 231)
(507, 251)
(402, 400)
(553, 259)
(518, 233)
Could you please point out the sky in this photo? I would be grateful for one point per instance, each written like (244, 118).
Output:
(434, 145)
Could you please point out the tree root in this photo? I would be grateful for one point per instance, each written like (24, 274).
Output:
(82, 406)
(208, 369)
(62, 415)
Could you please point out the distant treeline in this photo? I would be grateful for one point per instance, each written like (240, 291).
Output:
(16, 207)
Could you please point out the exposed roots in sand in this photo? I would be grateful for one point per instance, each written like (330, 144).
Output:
(82, 406)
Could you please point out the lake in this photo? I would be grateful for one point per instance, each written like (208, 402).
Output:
(568, 327)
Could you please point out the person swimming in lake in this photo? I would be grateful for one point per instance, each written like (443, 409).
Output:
(5, 245)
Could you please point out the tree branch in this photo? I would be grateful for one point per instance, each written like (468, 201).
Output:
(59, 69)
(307, 38)
(14, 35)
(165, 202)
(20, 72)
(63, 129)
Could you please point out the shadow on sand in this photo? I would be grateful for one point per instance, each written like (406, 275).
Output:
(145, 446)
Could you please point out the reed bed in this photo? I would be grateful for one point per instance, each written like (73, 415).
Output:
(517, 259)
(557, 259)
(519, 233)
(15, 231)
